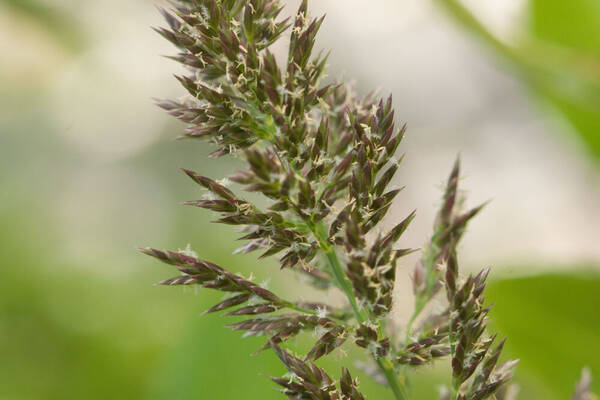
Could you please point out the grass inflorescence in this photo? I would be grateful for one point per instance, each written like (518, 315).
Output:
(324, 159)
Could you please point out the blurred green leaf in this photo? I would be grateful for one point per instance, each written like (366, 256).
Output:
(552, 323)
(58, 24)
(575, 25)
(69, 332)
(558, 57)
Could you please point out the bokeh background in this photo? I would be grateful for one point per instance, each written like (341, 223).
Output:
(88, 172)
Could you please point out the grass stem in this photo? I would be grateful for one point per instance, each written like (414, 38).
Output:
(345, 285)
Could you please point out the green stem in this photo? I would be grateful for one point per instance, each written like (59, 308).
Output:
(292, 306)
(339, 317)
(343, 282)
(419, 305)
(345, 285)
(388, 371)
(430, 254)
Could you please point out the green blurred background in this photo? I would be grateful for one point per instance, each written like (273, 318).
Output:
(89, 172)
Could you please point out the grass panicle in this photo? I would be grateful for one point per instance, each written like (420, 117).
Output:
(324, 160)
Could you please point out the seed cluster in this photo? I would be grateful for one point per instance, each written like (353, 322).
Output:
(308, 381)
(324, 159)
